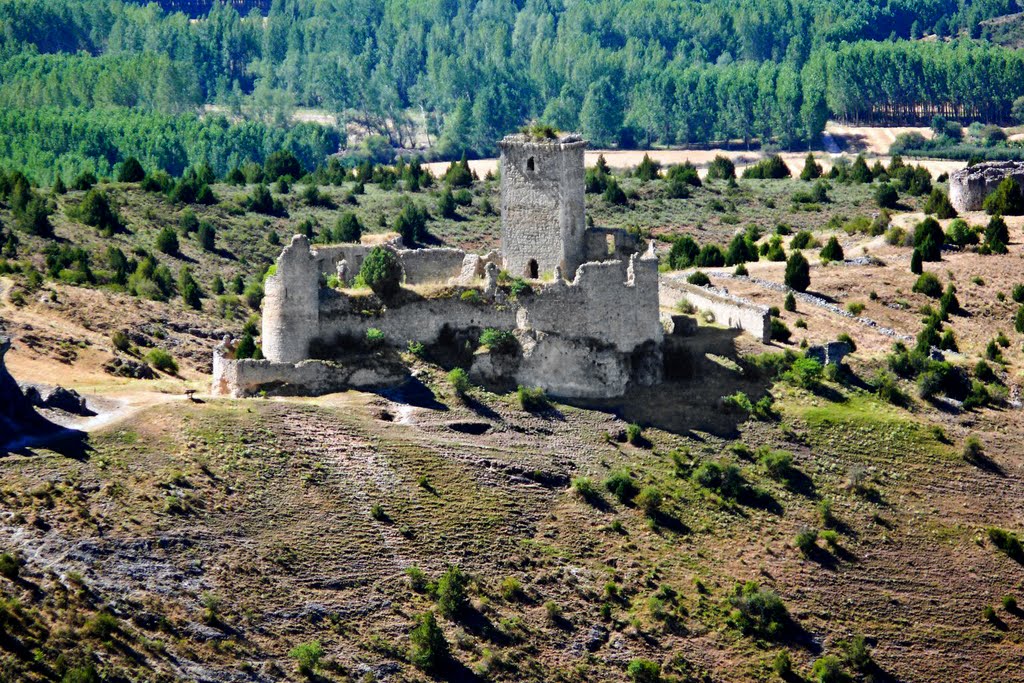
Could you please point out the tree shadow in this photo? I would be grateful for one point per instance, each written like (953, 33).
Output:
(797, 481)
(413, 392)
(480, 626)
(481, 409)
(984, 462)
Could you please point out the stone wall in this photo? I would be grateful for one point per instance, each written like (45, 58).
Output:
(423, 266)
(345, 319)
(612, 302)
(542, 204)
(728, 310)
(969, 187)
(247, 377)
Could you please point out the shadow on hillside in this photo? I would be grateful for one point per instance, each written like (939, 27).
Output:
(699, 371)
(413, 392)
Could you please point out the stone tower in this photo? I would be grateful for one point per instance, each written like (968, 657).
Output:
(291, 304)
(542, 211)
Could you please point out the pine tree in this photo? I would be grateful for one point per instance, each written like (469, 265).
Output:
(798, 272)
(832, 251)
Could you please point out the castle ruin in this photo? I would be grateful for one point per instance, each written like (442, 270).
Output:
(587, 326)
(969, 186)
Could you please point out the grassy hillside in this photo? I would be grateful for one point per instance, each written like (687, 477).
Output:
(851, 520)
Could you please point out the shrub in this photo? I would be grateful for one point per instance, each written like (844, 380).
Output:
(960, 234)
(10, 566)
(1007, 200)
(167, 241)
(451, 592)
(724, 478)
(832, 251)
(634, 433)
(649, 500)
(778, 464)
(684, 250)
(804, 373)
(886, 196)
(855, 307)
(102, 626)
(802, 240)
(997, 236)
(699, 278)
(858, 654)
(499, 341)
(1018, 320)
(417, 579)
(307, 656)
(585, 489)
(130, 171)
(381, 271)
(96, 210)
(1009, 603)
(613, 194)
(807, 541)
(798, 272)
(163, 361)
(929, 285)
(772, 167)
(938, 204)
(782, 664)
(779, 331)
(621, 485)
(829, 669)
(120, 341)
(928, 239)
(643, 671)
(532, 399)
(553, 611)
(721, 168)
(1017, 294)
(459, 379)
(790, 303)
(429, 646)
(811, 170)
(758, 611)
(710, 256)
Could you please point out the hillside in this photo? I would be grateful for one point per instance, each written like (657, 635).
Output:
(210, 540)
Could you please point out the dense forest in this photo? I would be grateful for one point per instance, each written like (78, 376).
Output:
(464, 72)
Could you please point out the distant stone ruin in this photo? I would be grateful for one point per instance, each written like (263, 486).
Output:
(585, 325)
(969, 186)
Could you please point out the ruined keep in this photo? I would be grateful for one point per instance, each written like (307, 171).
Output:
(969, 186)
(542, 210)
(587, 326)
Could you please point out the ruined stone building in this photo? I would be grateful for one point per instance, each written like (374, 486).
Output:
(589, 326)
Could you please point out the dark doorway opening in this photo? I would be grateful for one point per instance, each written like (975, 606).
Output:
(529, 165)
(531, 269)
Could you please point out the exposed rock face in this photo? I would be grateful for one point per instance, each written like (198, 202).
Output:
(968, 187)
(56, 398)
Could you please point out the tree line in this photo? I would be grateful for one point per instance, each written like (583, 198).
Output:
(626, 72)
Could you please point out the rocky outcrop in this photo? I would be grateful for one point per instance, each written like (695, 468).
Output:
(969, 186)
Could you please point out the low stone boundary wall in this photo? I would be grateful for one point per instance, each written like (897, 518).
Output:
(729, 310)
(247, 377)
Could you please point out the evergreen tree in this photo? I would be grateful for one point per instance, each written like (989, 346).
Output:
(812, 169)
(189, 288)
(207, 236)
(832, 251)
(798, 272)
